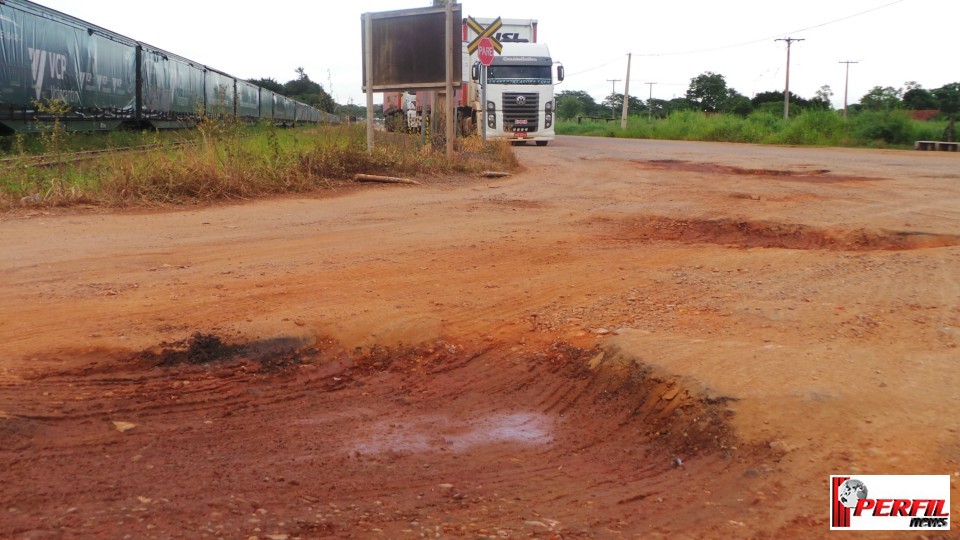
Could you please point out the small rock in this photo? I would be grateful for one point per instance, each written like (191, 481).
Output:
(601, 331)
(677, 462)
(445, 486)
(123, 427)
(535, 524)
(596, 360)
(779, 446)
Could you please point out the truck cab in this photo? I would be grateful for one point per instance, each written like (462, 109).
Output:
(519, 103)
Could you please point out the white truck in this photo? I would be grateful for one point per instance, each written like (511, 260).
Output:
(520, 104)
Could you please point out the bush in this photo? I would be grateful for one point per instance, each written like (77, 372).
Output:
(813, 128)
(885, 127)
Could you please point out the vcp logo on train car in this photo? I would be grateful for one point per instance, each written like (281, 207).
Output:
(889, 502)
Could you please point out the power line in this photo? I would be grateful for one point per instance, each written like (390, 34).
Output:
(596, 67)
(732, 46)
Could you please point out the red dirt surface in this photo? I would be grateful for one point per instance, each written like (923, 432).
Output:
(628, 339)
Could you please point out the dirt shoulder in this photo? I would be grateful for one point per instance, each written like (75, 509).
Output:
(632, 338)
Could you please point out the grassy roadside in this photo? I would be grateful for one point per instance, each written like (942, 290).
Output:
(224, 161)
(893, 129)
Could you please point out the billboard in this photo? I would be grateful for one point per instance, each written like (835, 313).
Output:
(408, 49)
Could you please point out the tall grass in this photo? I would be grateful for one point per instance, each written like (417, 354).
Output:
(893, 129)
(223, 160)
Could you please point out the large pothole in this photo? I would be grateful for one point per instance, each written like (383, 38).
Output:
(767, 234)
(817, 176)
(441, 438)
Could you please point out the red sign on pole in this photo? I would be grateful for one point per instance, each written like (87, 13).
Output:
(485, 51)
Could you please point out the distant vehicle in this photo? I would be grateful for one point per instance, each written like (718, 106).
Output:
(110, 81)
(520, 104)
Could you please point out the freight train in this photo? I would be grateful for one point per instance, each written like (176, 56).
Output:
(109, 81)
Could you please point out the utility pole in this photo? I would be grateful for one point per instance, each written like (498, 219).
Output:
(626, 95)
(613, 112)
(650, 102)
(846, 85)
(786, 93)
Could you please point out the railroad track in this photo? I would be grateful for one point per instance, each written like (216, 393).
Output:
(50, 160)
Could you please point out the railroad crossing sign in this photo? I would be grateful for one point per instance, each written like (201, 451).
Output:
(485, 51)
(484, 33)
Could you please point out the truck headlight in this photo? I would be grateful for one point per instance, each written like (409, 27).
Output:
(491, 106)
(548, 119)
(549, 106)
(491, 120)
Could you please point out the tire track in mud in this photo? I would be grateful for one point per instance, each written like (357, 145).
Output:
(441, 437)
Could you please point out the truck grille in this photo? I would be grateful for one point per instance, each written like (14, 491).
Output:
(521, 111)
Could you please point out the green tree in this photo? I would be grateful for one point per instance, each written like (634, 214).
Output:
(919, 99)
(771, 96)
(350, 109)
(822, 99)
(268, 84)
(677, 105)
(306, 91)
(658, 107)
(588, 106)
(707, 91)
(948, 98)
(569, 107)
(881, 98)
(736, 103)
(615, 102)
(763, 100)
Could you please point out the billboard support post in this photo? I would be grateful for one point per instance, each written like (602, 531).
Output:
(368, 51)
(449, 56)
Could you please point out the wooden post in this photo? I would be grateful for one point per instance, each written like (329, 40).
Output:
(368, 56)
(626, 95)
(449, 108)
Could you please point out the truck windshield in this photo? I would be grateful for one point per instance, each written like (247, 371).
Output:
(519, 75)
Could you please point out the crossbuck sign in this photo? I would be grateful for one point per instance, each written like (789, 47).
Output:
(482, 32)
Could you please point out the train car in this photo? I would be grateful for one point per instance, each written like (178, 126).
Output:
(220, 91)
(267, 99)
(106, 80)
(46, 55)
(248, 101)
(171, 89)
(284, 111)
(304, 113)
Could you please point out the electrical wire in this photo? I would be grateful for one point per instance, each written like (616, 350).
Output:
(698, 51)
(596, 67)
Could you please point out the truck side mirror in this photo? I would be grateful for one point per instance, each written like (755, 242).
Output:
(560, 73)
(475, 72)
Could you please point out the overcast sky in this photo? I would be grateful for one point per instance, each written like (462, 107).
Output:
(672, 41)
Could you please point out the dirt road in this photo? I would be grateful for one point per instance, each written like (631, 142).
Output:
(627, 339)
